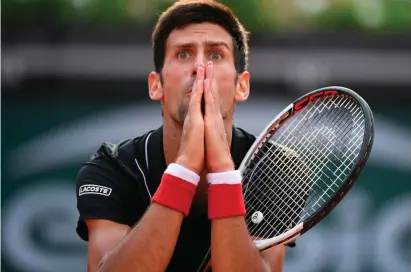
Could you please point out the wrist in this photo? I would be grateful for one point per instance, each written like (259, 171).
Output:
(225, 196)
(187, 164)
(183, 172)
(177, 188)
(227, 177)
(221, 167)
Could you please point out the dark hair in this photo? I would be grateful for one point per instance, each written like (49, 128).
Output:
(185, 12)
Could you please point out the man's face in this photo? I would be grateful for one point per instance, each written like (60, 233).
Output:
(186, 49)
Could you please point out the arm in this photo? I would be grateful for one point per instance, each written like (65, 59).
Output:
(104, 222)
(103, 236)
(275, 257)
(234, 250)
(148, 246)
(232, 247)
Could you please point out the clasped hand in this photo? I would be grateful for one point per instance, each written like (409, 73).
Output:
(204, 144)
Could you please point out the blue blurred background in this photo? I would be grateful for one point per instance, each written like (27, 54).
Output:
(74, 74)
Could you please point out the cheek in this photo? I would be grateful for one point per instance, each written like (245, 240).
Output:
(172, 79)
(176, 74)
(170, 76)
(225, 81)
(177, 69)
(173, 83)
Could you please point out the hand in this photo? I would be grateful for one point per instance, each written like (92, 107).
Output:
(191, 152)
(217, 149)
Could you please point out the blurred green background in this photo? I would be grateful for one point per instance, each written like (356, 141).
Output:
(277, 15)
(74, 74)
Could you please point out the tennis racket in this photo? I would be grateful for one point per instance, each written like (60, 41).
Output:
(303, 164)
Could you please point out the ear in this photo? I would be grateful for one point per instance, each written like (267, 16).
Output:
(243, 87)
(155, 88)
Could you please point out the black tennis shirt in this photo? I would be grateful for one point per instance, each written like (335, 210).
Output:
(118, 181)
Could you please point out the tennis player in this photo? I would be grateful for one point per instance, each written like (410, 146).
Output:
(144, 203)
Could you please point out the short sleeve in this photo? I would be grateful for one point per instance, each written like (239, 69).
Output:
(103, 192)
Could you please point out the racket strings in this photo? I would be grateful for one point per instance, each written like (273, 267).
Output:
(326, 154)
(288, 208)
(319, 152)
(307, 152)
(277, 218)
(284, 196)
(272, 171)
(284, 204)
(277, 165)
(271, 194)
(317, 202)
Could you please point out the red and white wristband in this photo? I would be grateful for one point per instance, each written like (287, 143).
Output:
(225, 195)
(177, 188)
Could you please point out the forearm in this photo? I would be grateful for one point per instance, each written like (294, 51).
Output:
(232, 248)
(150, 244)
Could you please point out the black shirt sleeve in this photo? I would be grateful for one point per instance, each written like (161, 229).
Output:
(105, 192)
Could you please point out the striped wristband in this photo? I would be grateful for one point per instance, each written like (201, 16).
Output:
(177, 188)
(225, 195)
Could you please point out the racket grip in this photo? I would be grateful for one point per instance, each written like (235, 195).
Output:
(177, 188)
(225, 195)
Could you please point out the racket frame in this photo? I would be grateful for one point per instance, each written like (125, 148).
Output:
(352, 177)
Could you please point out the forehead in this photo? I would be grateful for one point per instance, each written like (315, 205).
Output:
(199, 33)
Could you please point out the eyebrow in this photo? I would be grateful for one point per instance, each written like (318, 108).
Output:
(206, 43)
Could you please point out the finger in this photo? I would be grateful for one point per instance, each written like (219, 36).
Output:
(210, 75)
(197, 91)
(209, 101)
(196, 95)
(208, 98)
(200, 72)
(199, 76)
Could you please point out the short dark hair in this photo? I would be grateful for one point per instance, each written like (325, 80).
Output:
(185, 12)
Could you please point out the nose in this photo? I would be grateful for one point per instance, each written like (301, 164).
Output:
(199, 61)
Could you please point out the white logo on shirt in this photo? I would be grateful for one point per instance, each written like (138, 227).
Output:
(94, 189)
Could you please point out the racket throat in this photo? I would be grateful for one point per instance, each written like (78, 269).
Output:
(284, 238)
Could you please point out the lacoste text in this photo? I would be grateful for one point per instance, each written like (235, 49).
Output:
(94, 189)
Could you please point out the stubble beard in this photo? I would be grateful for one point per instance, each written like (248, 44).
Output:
(182, 114)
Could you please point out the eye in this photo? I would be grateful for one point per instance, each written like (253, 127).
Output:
(183, 55)
(216, 56)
